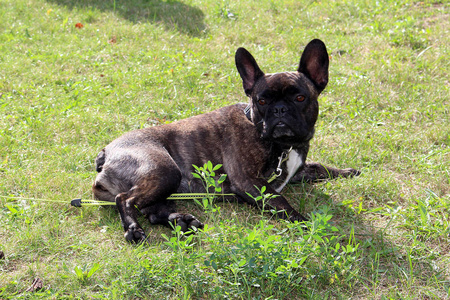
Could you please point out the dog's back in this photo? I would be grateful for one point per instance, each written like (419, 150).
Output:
(123, 163)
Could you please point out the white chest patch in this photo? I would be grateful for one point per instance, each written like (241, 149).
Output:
(293, 163)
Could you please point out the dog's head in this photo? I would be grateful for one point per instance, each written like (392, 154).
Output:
(284, 106)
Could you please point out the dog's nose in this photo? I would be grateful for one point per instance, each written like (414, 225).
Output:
(279, 110)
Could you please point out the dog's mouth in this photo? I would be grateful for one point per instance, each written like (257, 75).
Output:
(284, 131)
(280, 125)
(280, 130)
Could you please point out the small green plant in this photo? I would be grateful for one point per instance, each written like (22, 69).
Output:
(262, 200)
(179, 241)
(258, 260)
(83, 273)
(17, 211)
(212, 185)
(428, 217)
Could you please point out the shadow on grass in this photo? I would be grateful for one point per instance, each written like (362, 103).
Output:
(381, 259)
(174, 15)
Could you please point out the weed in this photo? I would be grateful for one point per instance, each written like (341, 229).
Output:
(83, 273)
(212, 185)
(263, 200)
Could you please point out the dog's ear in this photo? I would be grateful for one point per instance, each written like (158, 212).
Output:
(248, 69)
(314, 63)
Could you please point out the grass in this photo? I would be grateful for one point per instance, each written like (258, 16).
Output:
(66, 92)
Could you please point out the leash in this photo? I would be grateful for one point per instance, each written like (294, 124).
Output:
(90, 202)
(32, 199)
(79, 202)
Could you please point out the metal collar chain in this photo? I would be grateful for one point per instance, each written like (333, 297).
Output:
(284, 157)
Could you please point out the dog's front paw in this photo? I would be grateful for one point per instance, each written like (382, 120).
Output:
(185, 221)
(135, 234)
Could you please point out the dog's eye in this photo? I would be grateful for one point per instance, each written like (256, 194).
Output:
(300, 98)
(261, 101)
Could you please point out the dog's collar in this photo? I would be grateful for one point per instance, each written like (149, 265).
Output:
(248, 112)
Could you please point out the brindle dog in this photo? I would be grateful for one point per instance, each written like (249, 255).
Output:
(140, 169)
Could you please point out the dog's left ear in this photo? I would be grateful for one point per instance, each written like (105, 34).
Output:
(248, 69)
(314, 63)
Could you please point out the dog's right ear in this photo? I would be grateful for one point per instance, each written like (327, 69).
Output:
(248, 69)
(314, 63)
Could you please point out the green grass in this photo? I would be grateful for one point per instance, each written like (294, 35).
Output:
(66, 92)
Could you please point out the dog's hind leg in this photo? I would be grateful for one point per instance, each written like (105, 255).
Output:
(164, 213)
(148, 196)
(141, 181)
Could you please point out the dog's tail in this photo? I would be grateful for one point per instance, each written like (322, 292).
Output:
(100, 161)
(101, 192)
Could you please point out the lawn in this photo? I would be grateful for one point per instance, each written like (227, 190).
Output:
(74, 75)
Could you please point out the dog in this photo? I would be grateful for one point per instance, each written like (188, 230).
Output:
(266, 139)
